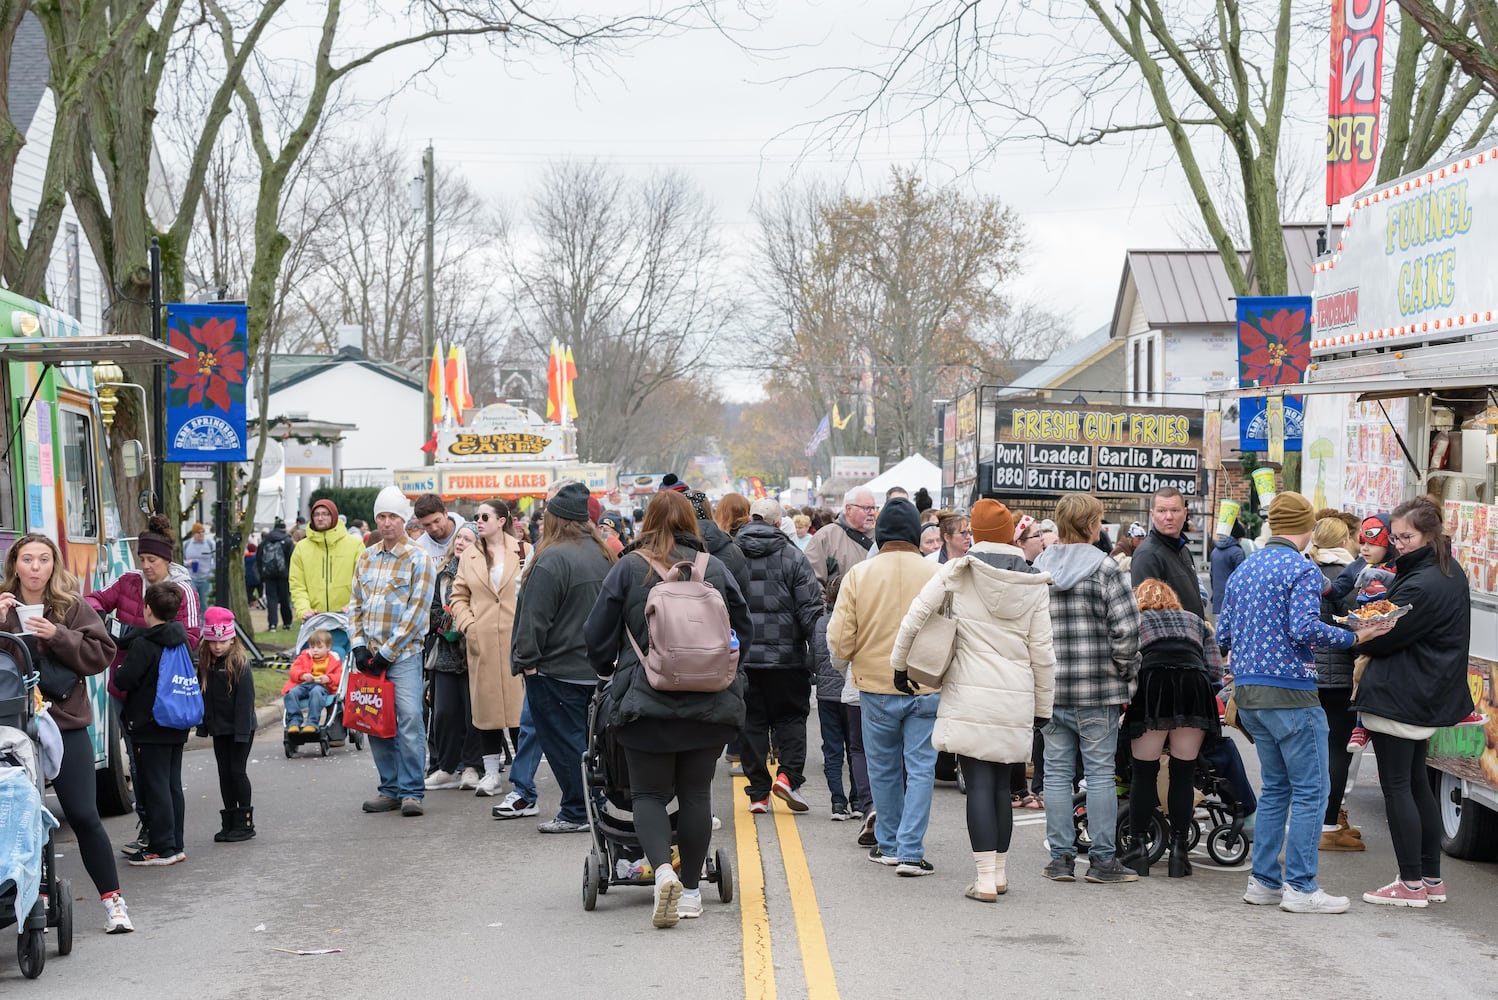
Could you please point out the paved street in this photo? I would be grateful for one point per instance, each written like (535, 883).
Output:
(457, 905)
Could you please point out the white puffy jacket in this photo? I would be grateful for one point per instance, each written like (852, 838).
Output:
(1003, 668)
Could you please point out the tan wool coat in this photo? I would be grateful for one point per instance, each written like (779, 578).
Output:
(486, 617)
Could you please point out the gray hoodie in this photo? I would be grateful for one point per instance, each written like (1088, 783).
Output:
(1069, 565)
(438, 550)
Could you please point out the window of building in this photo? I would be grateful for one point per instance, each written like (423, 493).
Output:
(79, 472)
(75, 273)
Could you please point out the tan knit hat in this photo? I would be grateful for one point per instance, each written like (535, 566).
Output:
(1291, 514)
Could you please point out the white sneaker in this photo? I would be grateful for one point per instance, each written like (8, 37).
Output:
(470, 779)
(689, 907)
(667, 898)
(1319, 901)
(1260, 894)
(441, 779)
(487, 785)
(117, 916)
(514, 807)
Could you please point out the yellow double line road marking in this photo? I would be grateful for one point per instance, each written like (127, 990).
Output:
(759, 965)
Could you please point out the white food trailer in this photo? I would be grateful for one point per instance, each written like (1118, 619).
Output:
(1402, 399)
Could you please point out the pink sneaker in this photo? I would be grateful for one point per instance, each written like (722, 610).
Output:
(1357, 740)
(1435, 892)
(1396, 893)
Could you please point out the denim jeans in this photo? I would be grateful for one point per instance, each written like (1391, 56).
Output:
(897, 741)
(559, 711)
(305, 702)
(1293, 771)
(527, 756)
(834, 749)
(1093, 728)
(401, 761)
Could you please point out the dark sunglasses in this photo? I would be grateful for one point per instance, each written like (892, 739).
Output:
(483, 516)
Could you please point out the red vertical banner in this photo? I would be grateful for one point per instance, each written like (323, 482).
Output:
(1357, 69)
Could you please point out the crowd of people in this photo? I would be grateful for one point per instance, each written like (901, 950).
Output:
(497, 632)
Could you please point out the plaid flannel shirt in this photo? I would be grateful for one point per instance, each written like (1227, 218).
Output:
(1095, 632)
(392, 599)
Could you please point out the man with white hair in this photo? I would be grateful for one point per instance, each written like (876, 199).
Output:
(842, 545)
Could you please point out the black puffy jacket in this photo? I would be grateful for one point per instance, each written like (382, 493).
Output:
(621, 603)
(137, 675)
(1334, 666)
(784, 598)
(719, 543)
(1417, 672)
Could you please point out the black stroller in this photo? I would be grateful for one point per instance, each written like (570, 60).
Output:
(617, 857)
(20, 762)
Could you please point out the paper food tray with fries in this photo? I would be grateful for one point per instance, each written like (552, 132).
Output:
(1374, 613)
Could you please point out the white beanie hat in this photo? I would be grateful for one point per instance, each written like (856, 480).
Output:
(392, 501)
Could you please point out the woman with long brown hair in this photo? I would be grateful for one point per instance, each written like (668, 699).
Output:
(732, 512)
(68, 643)
(1414, 684)
(671, 739)
(557, 591)
(484, 594)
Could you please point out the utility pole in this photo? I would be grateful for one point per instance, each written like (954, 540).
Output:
(428, 307)
(158, 389)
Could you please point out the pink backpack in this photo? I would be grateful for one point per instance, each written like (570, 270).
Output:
(687, 624)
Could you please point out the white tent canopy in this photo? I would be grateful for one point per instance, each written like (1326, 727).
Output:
(911, 473)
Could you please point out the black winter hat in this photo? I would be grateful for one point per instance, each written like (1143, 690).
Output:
(898, 522)
(570, 503)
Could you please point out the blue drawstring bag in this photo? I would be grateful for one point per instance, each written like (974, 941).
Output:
(179, 700)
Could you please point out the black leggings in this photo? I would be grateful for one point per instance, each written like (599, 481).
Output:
(654, 780)
(492, 741)
(158, 767)
(1339, 722)
(990, 814)
(76, 787)
(1414, 816)
(233, 772)
(452, 721)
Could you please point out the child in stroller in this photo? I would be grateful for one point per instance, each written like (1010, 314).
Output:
(617, 857)
(31, 894)
(314, 691)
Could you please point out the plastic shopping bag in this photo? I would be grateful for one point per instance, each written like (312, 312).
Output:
(369, 705)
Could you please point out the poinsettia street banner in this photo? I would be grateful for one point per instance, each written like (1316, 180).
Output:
(205, 391)
(1274, 348)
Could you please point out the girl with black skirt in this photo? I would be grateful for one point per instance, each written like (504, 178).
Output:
(1174, 701)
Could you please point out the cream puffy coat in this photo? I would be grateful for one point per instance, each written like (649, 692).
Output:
(1002, 673)
(486, 618)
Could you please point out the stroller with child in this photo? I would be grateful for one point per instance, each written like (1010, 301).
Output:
(31, 894)
(617, 857)
(328, 730)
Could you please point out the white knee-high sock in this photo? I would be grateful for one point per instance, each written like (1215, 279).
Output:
(493, 762)
(987, 863)
(1000, 879)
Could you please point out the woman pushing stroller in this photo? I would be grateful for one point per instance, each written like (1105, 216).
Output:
(671, 740)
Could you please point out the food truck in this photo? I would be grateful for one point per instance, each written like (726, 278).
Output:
(503, 451)
(60, 386)
(1401, 400)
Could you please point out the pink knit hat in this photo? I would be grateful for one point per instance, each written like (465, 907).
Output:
(218, 624)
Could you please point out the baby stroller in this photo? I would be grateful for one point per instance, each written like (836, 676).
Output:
(1219, 808)
(330, 731)
(28, 864)
(617, 857)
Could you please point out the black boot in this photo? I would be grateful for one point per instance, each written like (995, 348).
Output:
(244, 826)
(1180, 856)
(226, 817)
(1136, 856)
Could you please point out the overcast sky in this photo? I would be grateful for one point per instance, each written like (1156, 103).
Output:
(704, 105)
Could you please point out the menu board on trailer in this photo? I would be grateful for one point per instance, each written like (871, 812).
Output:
(1473, 529)
(1375, 472)
(1104, 450)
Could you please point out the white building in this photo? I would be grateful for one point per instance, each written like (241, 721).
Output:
(381, 401)
(74, 283)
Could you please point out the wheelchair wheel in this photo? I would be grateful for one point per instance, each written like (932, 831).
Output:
(1225, 847)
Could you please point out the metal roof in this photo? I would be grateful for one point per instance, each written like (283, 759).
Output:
(289, 369)
(27, 80)
(1191, 288)
(1063, 364)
